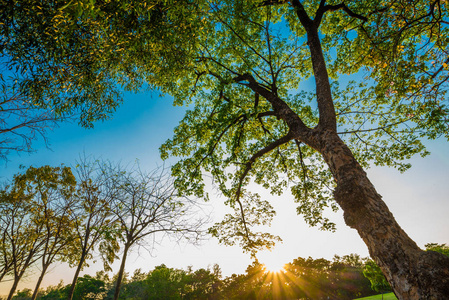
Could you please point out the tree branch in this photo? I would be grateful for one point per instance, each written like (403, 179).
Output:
(304, 18)
(324, 8)
(248, 166)
(327, 118)
(272, 2)
(304, 169)
(280, 108)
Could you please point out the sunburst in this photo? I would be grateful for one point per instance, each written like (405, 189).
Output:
(274, 265)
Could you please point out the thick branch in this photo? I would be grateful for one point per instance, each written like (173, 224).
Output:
(280, 108)
(248, 166)
(325, 8)
(327, 119)
(272, 2)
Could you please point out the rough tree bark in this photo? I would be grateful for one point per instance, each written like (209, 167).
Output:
(412, 272)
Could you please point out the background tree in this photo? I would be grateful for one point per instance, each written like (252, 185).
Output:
(166, 283)
(55, 292)
(136, 288)
(441, 248)
(53, 201)
(242, 63)
(233, 287)
(92, 214)
(88, 287)
(203, 283)
(36, 218)
(146, 205)
(24, 294)
(311, 277)
(347, 278)
(22, 242)
(374, 274)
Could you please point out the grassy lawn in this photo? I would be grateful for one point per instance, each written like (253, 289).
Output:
(389, 296)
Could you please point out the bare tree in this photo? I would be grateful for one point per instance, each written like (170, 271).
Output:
(92, 214)
(148, 208)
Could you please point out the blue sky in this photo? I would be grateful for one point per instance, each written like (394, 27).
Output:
(418, 198)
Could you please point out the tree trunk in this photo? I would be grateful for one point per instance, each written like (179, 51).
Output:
(75, 277)
(39, 281)
(121, 272)
(14, 287)
(3, 275)
(412, 272)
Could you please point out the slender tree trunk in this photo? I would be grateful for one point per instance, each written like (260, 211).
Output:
(39, 281)
(121, 272)
(412, 272)
(75, 277)
(3, 275)
(18, 275)
(14, 286)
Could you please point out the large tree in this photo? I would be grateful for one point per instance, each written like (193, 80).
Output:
(258, 116)
(253, 116)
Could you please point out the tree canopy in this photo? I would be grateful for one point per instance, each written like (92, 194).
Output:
(228, 58)
(286, 94)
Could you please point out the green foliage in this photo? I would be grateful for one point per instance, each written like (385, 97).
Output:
(245, 65)
(389, 296)
(70, 55)
(35, 220)
(440, 248)
(308, 278)
(24, 294)
(88, 287)
(55, 292)
(165, 283)
(378, 281)
(232, 230)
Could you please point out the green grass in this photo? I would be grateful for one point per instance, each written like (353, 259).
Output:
(389, 296)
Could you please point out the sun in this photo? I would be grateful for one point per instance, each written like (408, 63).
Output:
(274, 265)
(274, 261)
